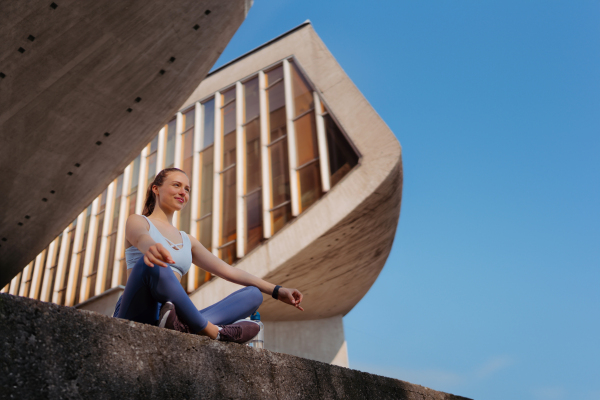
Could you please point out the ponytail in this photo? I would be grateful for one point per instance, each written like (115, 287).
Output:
(159, 179)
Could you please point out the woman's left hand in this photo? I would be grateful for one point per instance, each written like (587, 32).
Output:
(290, 296)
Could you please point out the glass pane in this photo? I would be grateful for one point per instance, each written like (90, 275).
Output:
(280, 217)
(189, 119)
(229, 150)
(110, 263)
(154, 143)
(206, 189)
(227, 254)
(310, 185)
(278, 124)
(170, 129)
(342, 157)
(54, 266)
(228, 95)
(280, 174)
(228, 226)
(208, 111)
(303, 96)
(187, 152)
(94, 266)
(253, 168)
(252, 103)
(135, 174)
(131, 203)
(102, 205)
(274, 74)
(306, 138)
(228, 114)
(254, 223)
(63, 287)
(185, 216)
(151, 161)
(205, 232)
(41, 275)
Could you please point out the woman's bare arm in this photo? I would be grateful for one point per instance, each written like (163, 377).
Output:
(209, 262)
(136, 232)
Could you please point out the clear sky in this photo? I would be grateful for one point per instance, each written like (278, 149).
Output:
(492, 288)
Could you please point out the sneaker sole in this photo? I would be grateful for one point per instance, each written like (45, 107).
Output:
(163, 321)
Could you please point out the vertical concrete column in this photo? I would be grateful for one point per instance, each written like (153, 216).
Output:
(218, 155)
(25, 277)
(75, 259)
(47, 281)
(36, 280)
(264, 155)
(141, 189)
(293, 154)
(322, 143)
(240, 167)
(90, 252)
(119, 251)
(106, 229)
(320, 339)
(177, 160)
(14, 284)
(61, 267)
(195, 193)
(160, 150)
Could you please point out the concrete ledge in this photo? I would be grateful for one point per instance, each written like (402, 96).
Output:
(50, 351)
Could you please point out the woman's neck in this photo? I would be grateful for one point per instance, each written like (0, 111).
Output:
(160, 215)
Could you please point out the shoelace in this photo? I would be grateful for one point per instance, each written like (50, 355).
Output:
(231, 332)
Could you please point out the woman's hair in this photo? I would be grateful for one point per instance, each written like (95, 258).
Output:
(150, 202)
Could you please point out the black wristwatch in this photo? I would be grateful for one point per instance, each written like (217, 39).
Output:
(276, 292)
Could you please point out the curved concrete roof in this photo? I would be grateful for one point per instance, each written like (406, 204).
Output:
(334, 251)
(83, 87)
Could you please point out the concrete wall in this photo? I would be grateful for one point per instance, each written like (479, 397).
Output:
(320, 340)
(50, 351)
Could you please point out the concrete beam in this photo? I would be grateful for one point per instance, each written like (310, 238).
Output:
(83, 87)
(50, 351)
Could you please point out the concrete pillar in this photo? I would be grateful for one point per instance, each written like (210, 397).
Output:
(320, 340)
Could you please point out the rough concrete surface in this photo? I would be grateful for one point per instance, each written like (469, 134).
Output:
(54, 352)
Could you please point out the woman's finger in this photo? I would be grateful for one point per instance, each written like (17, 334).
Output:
(164, 253)
(147, 262)
(155, 259)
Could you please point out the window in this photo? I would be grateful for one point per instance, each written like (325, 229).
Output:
(151, 160)
(280, 207)
(342, 157)
(227, 231)
(308, 170)
(253, 184)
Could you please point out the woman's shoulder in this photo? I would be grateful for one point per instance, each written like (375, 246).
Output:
(138, 220)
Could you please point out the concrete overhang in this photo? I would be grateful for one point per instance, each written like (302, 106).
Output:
(334, 251)
(84, 86)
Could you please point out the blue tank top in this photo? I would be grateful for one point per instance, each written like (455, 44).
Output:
(181, 253)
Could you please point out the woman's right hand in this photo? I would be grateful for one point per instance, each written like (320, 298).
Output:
(157, 254)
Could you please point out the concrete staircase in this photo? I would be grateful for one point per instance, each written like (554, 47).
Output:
(55, 352)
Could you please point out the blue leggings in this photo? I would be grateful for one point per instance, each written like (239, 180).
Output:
(147, 287)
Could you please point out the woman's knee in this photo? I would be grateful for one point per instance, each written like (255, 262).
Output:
(255, 295)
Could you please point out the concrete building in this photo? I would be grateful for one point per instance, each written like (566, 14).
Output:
(295, 179)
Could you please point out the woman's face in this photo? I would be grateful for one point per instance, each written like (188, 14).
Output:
(174, 192)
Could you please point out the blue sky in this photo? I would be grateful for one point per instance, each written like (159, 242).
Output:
(491, 290)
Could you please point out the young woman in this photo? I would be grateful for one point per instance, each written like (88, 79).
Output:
(158, 255)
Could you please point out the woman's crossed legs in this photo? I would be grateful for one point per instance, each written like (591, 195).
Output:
(148, 286)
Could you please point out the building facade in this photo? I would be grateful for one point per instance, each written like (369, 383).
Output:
(286, 159)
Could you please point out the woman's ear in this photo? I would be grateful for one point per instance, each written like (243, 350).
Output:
(155, 189)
